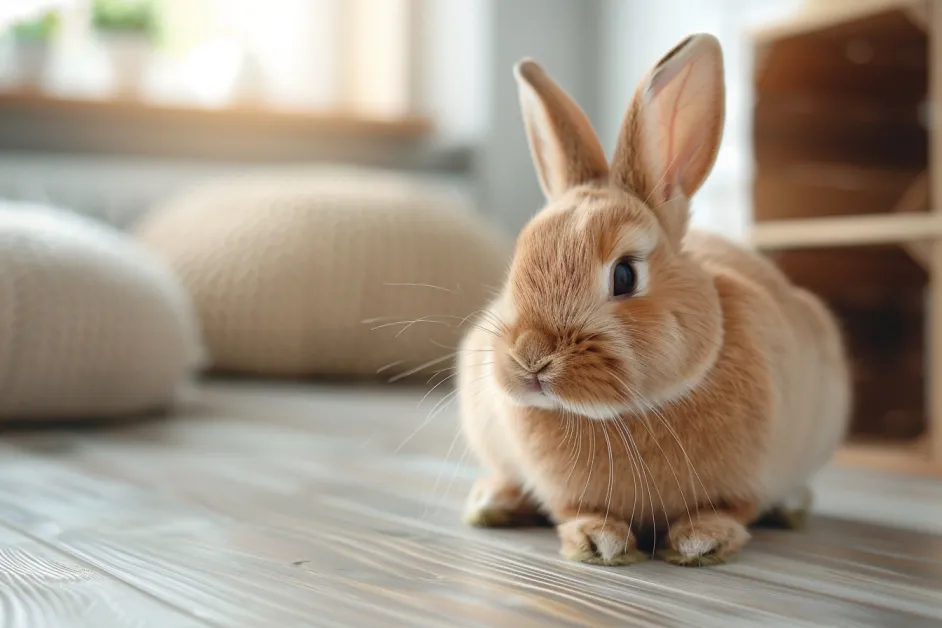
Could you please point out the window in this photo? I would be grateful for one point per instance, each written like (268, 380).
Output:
(352, 57)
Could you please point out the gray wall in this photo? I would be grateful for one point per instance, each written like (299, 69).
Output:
(598, 50)
(563, 36)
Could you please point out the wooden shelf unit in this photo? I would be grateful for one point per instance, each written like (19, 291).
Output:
(847, 198)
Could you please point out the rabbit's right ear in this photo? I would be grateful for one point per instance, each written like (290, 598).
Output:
(672, 131)
(565, 149)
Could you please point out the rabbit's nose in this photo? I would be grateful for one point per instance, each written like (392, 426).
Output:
(532, 351)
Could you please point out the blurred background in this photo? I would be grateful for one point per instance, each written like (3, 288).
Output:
(424, 85)
(334, 186)
(107, 107)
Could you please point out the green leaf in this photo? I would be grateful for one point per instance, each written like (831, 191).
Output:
(125, 16)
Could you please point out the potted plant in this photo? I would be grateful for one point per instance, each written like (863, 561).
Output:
(31, 45)
(128, 29)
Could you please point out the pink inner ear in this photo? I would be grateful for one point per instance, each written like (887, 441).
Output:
(667, 104)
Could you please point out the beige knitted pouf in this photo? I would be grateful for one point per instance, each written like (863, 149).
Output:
(91, 325)
(320, 272)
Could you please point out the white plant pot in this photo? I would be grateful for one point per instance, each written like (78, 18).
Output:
(29, 61)
(129, 56)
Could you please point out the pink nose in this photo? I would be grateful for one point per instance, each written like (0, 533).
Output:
(532, 351)
(534, 384)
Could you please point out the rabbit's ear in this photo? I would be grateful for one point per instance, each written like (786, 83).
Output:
(563, 144)
(672, 130)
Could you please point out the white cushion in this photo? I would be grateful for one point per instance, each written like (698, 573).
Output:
(291, 271)
(91, 324)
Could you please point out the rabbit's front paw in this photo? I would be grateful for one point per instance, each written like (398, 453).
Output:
(708, 538)
(597, 541)
(792, 513)
(496, 503)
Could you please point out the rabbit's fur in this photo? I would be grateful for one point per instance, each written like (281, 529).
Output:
(688, 408)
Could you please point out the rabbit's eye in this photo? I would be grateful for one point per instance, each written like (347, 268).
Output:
(624, 278)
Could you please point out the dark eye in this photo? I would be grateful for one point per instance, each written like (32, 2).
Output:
(624, 279)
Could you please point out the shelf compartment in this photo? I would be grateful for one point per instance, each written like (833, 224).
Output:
(845, 160)
(845, 231)
(913, 458)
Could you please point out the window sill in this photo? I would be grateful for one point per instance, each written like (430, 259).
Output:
(33, 121)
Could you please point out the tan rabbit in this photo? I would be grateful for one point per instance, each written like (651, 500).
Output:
(633, 377)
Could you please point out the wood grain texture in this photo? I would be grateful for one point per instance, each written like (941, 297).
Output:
(40, 586)
(290, 505)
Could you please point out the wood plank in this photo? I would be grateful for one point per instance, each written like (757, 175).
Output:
(43, 587)
(821, 131)
(845, 231)
(916, 200)
(825, 15)
(934, 347)
(280, 504)
(903, 458)
(302, 555)
(817, 190)
(254, 509)
(904, 502)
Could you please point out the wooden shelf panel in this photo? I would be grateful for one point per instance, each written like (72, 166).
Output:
(816, 190)
(795, 132)
(857, 277)
(838, 15)
(909, 458)
(846, 231)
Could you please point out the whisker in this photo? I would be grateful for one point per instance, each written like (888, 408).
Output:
(620, 429)
(438, 478)
(591, 466)
(409, 323)
(420, 367)
(423, 285)
(432, 389)
(690, 466)
(663, 453)
(579, 424)
(439, 371)
(424, 319)
(649, 475)
(457, 350)
(389, 366)
(454, 475)
(428, 419)
(611, 473)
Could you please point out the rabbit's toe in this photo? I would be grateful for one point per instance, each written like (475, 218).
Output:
(598, 541)
(705, 539)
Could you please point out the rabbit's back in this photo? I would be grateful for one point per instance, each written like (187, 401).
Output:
(807, 361)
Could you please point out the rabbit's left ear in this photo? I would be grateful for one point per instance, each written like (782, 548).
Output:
(672, 132)
(565, 149)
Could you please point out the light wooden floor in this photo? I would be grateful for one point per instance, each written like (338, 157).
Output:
(283, 505)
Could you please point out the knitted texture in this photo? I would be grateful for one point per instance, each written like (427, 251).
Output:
(91, 325)
(302, 272)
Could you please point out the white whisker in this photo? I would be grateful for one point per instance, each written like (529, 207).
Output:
(415, 370)
(389, 366)
(423, 285)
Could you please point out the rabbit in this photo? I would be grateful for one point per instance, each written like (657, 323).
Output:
(635, 378)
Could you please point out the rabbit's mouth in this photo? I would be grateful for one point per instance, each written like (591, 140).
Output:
(537, 391)
(525, 388)
(570, 380)
(534, 383)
